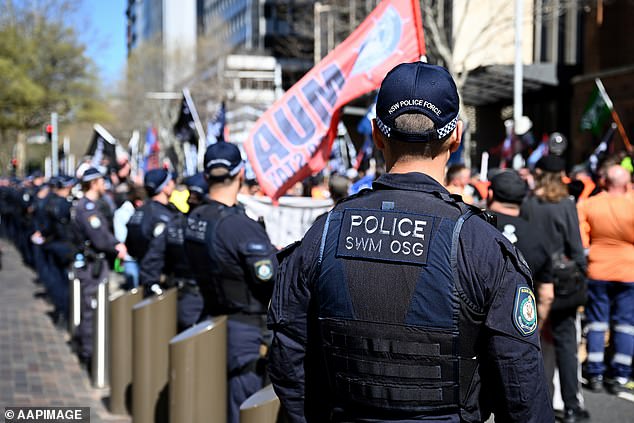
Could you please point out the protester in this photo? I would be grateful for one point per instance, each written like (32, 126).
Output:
(122, 215)
(506, 194)
(607, 223)
(457, 182)
(551, 208)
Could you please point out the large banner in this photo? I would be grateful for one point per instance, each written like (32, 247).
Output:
(289, 220)
(293, 138)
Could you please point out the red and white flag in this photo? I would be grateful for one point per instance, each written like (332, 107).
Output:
(293, 138)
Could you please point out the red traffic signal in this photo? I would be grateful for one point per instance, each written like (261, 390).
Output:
(49, 132)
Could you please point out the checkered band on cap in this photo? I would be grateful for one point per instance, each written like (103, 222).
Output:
(383, 127)
(447, 129)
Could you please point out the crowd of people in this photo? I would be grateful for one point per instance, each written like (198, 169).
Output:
(573, 233)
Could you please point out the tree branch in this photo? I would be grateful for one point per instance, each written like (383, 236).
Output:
(443, 48)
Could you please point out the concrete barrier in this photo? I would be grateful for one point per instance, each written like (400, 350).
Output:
(261, 407)
(120, 349)
(198, 373)
(154, 325)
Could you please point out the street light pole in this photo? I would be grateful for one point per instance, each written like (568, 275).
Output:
(54, 148)
(518, 70)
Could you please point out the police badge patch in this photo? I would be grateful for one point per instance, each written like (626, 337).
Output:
(94, 221)
(263, 269)
(158, 229)
(525, 311)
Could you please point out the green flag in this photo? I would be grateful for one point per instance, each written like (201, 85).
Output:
(597, 110)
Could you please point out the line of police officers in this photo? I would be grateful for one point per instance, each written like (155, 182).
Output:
(399, 305)
(221, 261)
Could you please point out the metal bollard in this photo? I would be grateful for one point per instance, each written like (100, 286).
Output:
(154, 324)
(74, 310)
(120, 348)
(198, 373)
(261, 407)
(100, 338)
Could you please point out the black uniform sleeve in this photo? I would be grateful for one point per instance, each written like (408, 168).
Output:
(513, 377)
(152, 263)
(253, 250)
(288, 318)
(573, 243)
(96, 230)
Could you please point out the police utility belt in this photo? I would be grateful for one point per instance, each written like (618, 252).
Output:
(184, 285)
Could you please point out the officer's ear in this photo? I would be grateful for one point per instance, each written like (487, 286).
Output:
(377, 137)
(456, 137)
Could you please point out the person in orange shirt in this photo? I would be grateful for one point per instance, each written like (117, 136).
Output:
(607, 226)
(457, 182)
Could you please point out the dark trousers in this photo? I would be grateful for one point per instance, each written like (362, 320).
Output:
(59, 286)
(89, 281)
(610, 302)
(243, 348)
(564, 331)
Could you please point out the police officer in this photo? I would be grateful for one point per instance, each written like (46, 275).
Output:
(60, 246)
(40, 223)
(98, 246)
(148, 223)
(402, 304)
(178, 268)
(166, 254)
(234, 264)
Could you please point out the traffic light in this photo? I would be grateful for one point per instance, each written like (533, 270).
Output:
(49, 132)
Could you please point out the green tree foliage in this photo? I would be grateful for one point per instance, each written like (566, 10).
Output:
(44, 67)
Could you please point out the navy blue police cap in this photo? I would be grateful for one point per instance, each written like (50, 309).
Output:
(91, 174)
(53, 181)
(155, 180)
(418, 88)
(197, 183)
(66, 181)
(222, 156)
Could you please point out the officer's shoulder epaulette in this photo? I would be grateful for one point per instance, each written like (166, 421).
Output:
(483, 214)
(287, 251)
(361, 193)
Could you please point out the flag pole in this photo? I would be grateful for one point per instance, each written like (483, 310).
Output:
(615, 115)
(199, 128)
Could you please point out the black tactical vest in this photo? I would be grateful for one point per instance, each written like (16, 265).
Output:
(141, 226)
(176, 261)
(222, 294)
(391, 324)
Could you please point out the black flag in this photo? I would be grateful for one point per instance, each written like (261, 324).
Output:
(102, 148)
(185, 128)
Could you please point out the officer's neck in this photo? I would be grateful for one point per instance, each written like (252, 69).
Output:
(225, 195)
(92, 195)
(434, 168)
(161, 198)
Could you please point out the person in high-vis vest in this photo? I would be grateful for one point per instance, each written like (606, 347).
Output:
(403, 303)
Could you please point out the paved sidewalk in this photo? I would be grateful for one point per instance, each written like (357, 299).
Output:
(37, 367)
